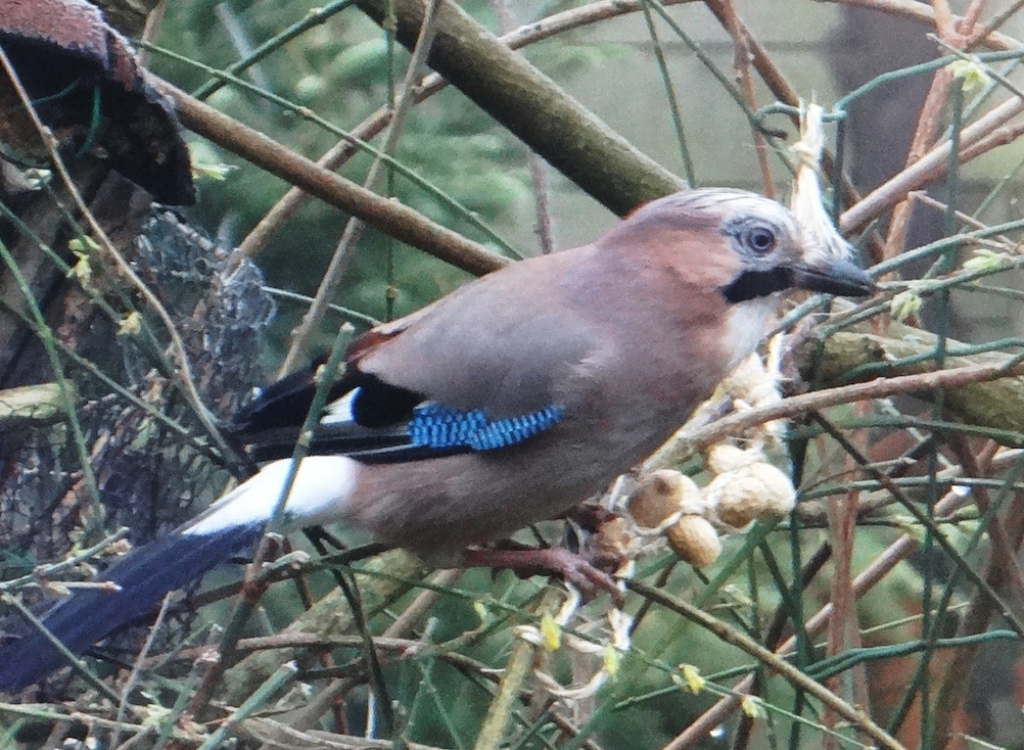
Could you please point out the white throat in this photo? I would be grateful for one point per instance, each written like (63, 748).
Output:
(747, 323)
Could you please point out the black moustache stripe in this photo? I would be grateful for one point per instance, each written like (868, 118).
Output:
(754, 284)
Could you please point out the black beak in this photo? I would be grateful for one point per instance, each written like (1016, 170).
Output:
(839, 277)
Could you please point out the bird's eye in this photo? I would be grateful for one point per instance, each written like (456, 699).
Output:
(759, 240)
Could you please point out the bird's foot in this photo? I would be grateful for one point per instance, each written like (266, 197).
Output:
(570, 567)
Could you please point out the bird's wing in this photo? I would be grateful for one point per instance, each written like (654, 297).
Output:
(485, 368)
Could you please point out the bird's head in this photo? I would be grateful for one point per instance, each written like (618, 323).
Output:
(748, 247)
(730, 256)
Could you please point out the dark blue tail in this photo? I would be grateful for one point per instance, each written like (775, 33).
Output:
(145, 576)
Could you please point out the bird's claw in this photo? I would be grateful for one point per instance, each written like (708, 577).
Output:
(570, 567)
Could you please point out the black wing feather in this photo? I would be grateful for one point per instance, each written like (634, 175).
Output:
(270, 423)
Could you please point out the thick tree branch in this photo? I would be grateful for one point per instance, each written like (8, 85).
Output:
(387, 215)
(992, 404)
(532, 106)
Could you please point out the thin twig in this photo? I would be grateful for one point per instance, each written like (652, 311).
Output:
(685, 443)
(925, 14)
(928, 123)
(133, 678)
(769, 660)
(304, 333)
(742, 57)
(517, 669)
(927, 169)
(879, 568)
(391, 639)
(931, 116)
(976, 619)
(373, 125)
(993, 24)
(390, 216)
(543, 225)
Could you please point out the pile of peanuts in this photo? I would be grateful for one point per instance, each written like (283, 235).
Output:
(745, 488)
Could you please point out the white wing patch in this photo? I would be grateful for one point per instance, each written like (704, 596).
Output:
(322, 488)
(340, 410)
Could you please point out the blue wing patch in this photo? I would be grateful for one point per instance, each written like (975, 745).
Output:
(441, 427)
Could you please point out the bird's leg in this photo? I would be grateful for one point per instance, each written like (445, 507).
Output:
(569, 566)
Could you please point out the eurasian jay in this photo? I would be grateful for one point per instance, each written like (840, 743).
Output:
(510, 401)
